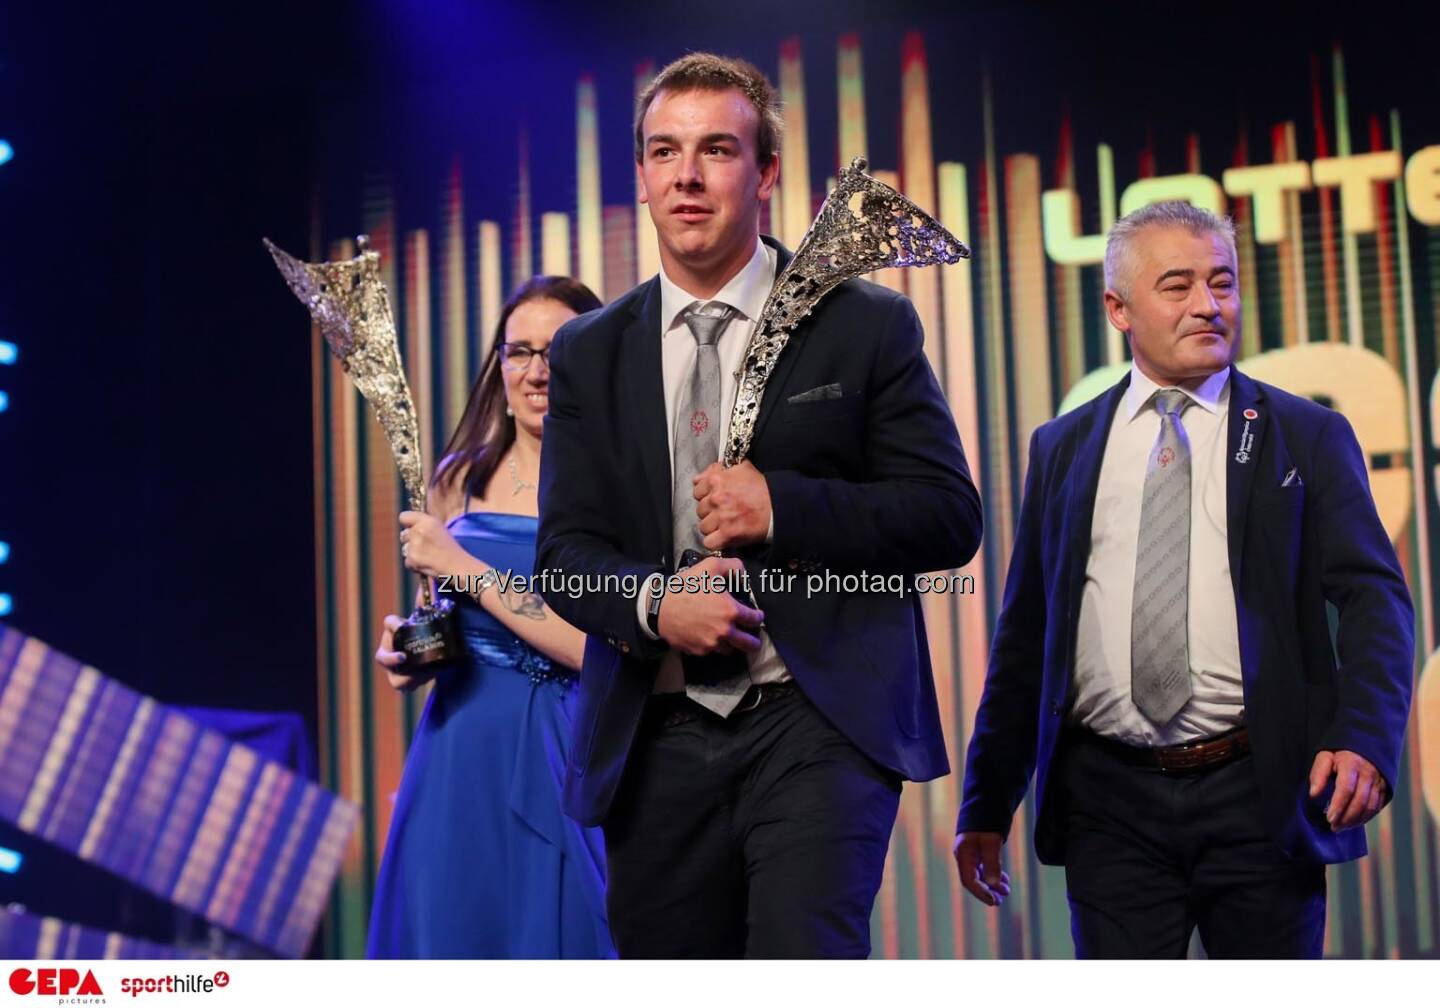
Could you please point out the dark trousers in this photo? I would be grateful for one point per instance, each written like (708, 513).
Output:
(762, 835)
(1151, 855)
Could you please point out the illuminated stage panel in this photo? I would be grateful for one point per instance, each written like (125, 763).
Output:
(415, 340)
(27, 936)
(522, 263)
(555, 244)
(851, 88)
(1065, 278)
(917, 181)
(1354, 323)
(1243, 213)
(1328, 264)
(1295, 310)
(454, 380)
(1105, 168)
(211, 850)
(1030, 322)
(491, 289)
(618, 225)
(588, 234)
(796, 214)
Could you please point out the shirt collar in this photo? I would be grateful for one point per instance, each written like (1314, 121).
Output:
(1210, 394)
(746, 291)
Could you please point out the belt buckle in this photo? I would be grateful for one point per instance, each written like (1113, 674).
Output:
(1179, 762)
(1197, 755)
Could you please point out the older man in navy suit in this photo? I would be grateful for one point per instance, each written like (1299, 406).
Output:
(744, 757)
(1164, 661)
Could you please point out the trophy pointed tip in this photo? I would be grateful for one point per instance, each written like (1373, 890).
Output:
(276, 252)
(362, 242)
(859, 164)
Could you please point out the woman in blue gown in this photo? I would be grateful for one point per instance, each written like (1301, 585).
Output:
(480, 861)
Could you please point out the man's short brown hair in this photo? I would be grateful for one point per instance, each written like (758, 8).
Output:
(709, 72)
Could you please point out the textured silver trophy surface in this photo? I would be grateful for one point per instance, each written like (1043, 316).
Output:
(348, 301)
(863, 225)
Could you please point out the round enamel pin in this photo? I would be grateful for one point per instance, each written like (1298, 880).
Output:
(1250, 414)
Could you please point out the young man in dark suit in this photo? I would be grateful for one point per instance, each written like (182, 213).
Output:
(745, 761)
(1163, 660)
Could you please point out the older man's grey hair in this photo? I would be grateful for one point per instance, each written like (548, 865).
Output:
(1120, 245)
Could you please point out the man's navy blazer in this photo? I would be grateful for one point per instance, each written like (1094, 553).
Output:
(1303, 531)
(865, 474)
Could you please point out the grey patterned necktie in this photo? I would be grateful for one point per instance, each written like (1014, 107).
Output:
(1159, 624)
(717, 682)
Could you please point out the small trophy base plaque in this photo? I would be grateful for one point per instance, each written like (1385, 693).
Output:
(429, 636)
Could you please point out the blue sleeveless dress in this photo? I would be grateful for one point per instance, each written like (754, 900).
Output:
(480, 862)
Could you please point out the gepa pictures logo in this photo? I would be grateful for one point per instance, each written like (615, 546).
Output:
(63, 982)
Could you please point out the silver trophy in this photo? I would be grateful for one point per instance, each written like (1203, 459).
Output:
(863, 225)
(348, 301)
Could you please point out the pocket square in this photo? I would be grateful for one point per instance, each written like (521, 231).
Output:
(1292, 478)
(817, 394)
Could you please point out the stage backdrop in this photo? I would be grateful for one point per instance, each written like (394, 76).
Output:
(1338, 208)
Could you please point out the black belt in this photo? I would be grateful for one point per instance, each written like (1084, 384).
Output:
(666, 710)
(1204, 754)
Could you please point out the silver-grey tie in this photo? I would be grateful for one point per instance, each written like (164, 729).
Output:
(717, 682)
(1159, 627)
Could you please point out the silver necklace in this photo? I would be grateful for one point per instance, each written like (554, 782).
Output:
(515, 479)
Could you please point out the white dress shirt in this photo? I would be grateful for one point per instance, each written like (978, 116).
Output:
(746, 293)
(1102, 650)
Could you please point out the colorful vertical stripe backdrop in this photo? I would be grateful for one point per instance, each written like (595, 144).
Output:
(1338, 210)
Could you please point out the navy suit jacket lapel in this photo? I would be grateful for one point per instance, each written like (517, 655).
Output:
(1089, 439)
(642, 403)
(1083, 477)
(776, 382)
(1245, 434)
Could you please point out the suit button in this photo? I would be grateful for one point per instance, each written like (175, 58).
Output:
(624, 648)
(1055, 709)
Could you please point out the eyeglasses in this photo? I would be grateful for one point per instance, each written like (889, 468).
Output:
(516, 356)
